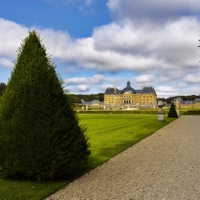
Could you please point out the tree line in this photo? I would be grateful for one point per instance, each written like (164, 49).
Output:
(76, 98)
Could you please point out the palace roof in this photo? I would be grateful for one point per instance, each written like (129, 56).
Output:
(129, 89)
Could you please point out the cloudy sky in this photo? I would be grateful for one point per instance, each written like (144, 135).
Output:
(100, 43)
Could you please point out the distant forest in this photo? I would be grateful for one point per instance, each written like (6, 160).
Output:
(76, 98)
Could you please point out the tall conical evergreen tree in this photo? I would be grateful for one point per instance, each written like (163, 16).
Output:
(172, 112)
(2, 88)
(40, 135)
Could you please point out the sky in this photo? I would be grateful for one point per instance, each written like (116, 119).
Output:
(97, 44)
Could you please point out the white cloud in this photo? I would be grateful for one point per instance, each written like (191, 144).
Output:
(96, 79)
(170, 44)
(11, 35)
(146, 78)
(76, 81)
(83, 88)
(165, 89)
(193, 78)
(156, 54)
(167, 92)
(84, 84)
(154, 9)
(103, 87)
(118, 47)
(6, 63)
(56, 42)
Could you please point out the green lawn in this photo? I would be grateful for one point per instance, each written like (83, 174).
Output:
(108, 135)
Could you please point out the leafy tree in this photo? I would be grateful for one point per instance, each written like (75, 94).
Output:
(172, 112)
(76, 98)
(40, 135)
(2, 88)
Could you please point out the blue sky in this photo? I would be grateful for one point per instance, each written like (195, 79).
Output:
(100, 43)
(77, 17)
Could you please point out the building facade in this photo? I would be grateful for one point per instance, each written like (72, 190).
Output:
(146, 97)
(180, 103)
(93, 103)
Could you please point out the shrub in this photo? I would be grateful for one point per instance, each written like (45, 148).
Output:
(172, 111)
(40, 135)
(117, 111)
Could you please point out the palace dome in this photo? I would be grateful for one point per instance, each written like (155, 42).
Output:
(128, 89)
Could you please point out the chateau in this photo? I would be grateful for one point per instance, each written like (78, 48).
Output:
(128, 97)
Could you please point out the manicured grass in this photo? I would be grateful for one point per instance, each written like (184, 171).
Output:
(109, 134)
(24, 190)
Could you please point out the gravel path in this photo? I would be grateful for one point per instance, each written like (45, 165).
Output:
(164, 166)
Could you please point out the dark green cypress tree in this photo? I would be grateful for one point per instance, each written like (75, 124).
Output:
(172, 112)
(40, 135)
(2, 88)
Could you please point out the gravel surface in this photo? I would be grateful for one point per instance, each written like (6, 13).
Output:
(164, 166)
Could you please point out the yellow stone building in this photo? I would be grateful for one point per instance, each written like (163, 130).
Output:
(146, 97)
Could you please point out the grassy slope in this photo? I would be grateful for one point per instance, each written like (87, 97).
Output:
(108, 135)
